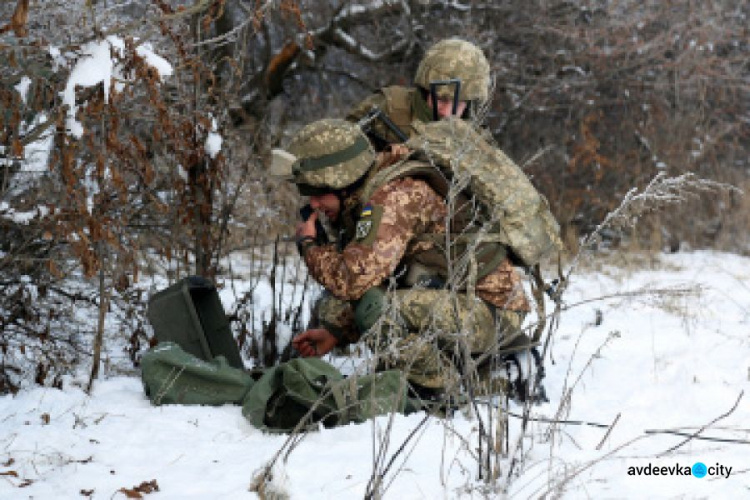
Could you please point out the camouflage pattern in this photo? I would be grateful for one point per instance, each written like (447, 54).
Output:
(402, 105)
(421, 338)
(420, 334)
(400, 211)
(337, 316)
(426, 333)
(331, 154)
(407, 207)
(503, 288)
(456, 59)
(521, 217)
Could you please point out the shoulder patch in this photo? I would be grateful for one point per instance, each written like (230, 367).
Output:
(367, 225)
(363, 229)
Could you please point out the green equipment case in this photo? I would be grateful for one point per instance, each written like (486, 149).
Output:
(190, 314)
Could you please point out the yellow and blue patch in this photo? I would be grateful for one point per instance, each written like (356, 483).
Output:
(367, 225)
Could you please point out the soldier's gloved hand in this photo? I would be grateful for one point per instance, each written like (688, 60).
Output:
(315, 342)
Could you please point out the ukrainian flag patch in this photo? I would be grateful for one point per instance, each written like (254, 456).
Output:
(367, 226)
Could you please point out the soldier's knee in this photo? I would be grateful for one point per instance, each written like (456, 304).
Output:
(369, 308)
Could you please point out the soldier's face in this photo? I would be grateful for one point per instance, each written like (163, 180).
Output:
(445, 106)
(328, 203)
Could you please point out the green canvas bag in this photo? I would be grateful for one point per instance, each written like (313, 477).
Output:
(310, 391)
(306, 390)
(172, 376)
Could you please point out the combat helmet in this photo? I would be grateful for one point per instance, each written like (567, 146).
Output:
(331, 154)
(455, 60)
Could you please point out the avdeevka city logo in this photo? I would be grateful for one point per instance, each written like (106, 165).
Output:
(699, 469)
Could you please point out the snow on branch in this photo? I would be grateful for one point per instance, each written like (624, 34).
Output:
(336, 32)
(357, 14)
(350, 44)
(97, 64)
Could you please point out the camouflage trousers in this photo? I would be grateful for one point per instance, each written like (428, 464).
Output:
(434, 336)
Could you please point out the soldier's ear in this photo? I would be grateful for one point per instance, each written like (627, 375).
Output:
(281, 164)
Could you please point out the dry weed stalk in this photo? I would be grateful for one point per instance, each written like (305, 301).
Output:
(662, 192)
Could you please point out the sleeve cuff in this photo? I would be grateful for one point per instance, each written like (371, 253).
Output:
(337, 332)
(304, 244)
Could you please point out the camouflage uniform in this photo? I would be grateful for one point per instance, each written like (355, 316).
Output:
(402, 105)
(446, 60)
(421, 331)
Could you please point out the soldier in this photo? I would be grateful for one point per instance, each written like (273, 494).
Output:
(453, 78)
(388, 284)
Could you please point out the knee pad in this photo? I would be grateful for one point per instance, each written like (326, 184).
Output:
(369, 308)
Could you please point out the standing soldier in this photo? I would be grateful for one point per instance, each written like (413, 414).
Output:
(453, 79)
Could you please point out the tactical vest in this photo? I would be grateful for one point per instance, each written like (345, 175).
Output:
(401, 105)
(495, 212)
(398, 106)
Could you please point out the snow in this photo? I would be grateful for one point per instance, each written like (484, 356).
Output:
(8, 212)
(154, 60)
(22, 87)
(95, 65)
(57, 58)
(213, 141)
(35, 158)
(655, 344)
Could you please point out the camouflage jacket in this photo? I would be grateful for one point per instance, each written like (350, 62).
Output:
(382, 235)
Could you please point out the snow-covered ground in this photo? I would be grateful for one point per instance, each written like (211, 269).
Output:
(668, 351)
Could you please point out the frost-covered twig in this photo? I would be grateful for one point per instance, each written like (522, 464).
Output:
(609, 431)
(720, 417)
(169, 381)
(376, 480)
(660, 193)
(674, 432)
(335, 31)
(696, 436)
(576, 471)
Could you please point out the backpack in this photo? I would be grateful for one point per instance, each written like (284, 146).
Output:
(459, 163)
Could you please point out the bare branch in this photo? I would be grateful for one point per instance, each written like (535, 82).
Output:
(696, 433)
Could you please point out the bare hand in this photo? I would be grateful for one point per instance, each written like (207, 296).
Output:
(315, 342)
(400, 150)
(392, 155)
(307, 228)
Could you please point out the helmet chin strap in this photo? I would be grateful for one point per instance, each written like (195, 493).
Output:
(456, 82)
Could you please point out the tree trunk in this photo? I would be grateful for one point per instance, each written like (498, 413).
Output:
(99, 336)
